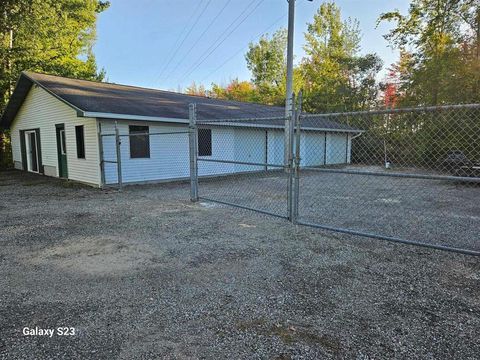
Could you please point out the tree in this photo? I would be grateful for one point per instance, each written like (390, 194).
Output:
(442, 38)
(267, 59)
(193, 89)
(335, 77)
(49, 36)
(390, 89)
(267, 62)
(235, 90)
(439, 64)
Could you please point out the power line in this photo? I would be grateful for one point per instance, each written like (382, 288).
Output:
(243, 48)
(212, 48)
(181, 34)
(186, 36)
(197, 65)
(201, 36)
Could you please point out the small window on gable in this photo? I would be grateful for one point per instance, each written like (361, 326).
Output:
(204, 142)
(80, 138)
(139, 141)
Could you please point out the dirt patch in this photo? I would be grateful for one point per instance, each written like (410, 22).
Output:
(94, 255)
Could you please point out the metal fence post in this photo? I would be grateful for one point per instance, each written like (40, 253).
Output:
(119, 156)
(296, 162)
(289, 165)
(288, 134)
(100, 154)
(193, 150)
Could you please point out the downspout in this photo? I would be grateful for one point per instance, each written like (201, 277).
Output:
(325, 149)
(351, 142)
(266, 150)
(355, 136)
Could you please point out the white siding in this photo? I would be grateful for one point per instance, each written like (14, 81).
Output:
(88, 169)
(169, 154)
(312, 149)
(223, 140)
(250, 147)
(337, 145)
(275, 148)
(42, 110)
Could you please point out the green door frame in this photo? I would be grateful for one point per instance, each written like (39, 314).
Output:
(61, 151)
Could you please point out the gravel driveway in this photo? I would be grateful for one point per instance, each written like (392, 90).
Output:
(146, 274)
(430, 211)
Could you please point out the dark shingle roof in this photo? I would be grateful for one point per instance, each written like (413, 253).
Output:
(98, 97)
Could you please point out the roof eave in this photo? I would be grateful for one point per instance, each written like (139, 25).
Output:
(76, 108)
(114, 116)
(21, 90)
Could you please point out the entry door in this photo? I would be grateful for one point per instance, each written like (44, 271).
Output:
(62, 151)
(32, 150)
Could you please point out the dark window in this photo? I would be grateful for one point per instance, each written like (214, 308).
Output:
(204, 142)
(139, 141)
(79, 135)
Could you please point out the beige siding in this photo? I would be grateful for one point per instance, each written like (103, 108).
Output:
(42, 110)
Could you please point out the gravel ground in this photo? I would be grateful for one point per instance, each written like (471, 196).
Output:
(146, 274)
(431, 211)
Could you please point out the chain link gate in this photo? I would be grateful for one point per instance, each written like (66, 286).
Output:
(405, 175)
(240, 162)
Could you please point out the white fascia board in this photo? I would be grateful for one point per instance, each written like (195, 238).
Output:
(114, 116)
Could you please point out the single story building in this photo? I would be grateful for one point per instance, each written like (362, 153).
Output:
(65, 127)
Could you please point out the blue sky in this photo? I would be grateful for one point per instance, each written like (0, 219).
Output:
(137, 39)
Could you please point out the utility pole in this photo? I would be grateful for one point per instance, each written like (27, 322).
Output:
(289, 94)
(291, 32)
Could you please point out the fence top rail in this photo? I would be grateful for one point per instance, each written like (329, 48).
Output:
(146, 134)
(240, 120)
(394, 174)
(396, 111)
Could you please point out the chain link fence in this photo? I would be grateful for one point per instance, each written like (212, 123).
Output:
(404, 175)
(140, 153)
(240, 162)
(409, 175)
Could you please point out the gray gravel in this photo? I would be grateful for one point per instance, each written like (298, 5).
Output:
(147, 274)
(430, 211)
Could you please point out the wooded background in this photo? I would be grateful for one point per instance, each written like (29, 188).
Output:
(439, 63)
